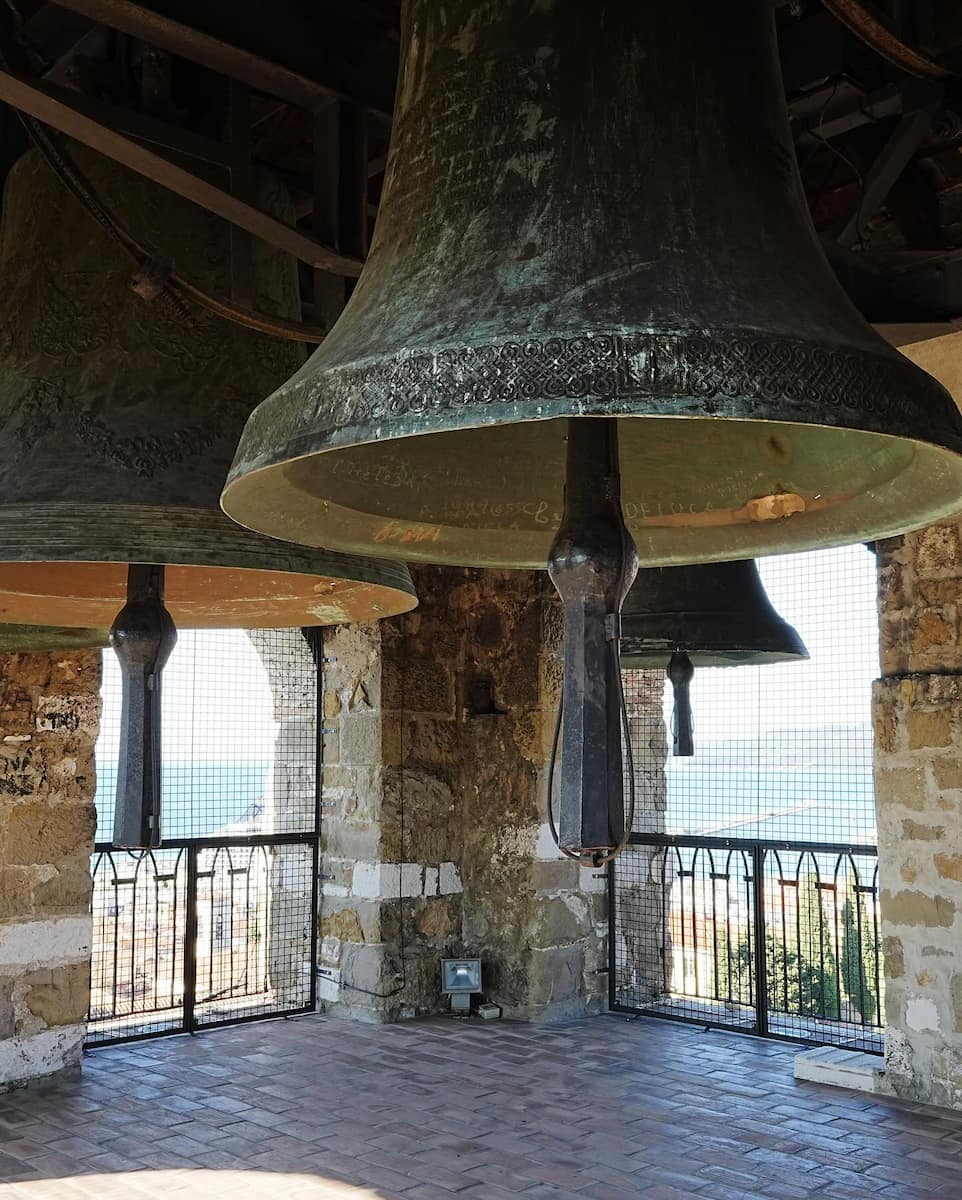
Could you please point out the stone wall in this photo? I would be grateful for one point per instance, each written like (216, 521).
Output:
(435, 842)
(49, 714)
(918, 753)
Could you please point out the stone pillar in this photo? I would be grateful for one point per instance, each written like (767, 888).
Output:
(290, 789)
(435, 842)
(49, 716)
(918, 756)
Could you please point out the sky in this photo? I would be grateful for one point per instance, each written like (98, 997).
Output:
(216, 696)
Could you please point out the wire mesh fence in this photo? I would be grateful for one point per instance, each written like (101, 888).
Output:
(749, 897)
(217, 925)
(692, 920)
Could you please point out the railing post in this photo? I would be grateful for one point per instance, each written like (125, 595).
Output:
(612, 934)
(761, 940)
(190, 942)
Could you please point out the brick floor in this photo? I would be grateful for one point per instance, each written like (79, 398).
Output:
(602, 1109)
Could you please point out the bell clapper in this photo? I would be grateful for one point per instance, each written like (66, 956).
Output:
(592, 565)
(142, 635)
(680, 673)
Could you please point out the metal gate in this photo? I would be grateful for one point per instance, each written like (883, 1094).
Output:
(776, 939)
(216, 926)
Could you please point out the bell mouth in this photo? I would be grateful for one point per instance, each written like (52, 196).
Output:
(66, 564)
(694, 489)
(646, 658)
(198, 597)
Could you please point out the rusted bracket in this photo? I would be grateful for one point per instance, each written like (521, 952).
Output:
(42, 102)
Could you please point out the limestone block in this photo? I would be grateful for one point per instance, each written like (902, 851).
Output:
(948, 772)
(905, 786)
(41, 832)
(561, 921)
(929, 727)
(360, 740)
(47, 1052)
(449, 879)
(44, 943)
(949, 866)
(16, 892)
(555, 978)
(67, 889)
(916, 831)
(560, 874)
(917, 908)
(366, 966)
(938, 550)
(59, 996)
(341, 924)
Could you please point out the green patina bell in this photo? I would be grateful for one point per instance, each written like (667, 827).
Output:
(119, 419)
(594, 210)
(708, 615)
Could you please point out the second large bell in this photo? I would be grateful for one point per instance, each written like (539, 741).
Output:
(593, 210)
(119, 419)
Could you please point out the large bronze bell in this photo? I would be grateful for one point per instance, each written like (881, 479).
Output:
(119, 415)
(594, 210)
(119, 420)
(708, 615)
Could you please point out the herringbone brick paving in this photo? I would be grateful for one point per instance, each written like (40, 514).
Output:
(600, 1109)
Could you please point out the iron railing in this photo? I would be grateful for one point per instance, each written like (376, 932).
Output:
(774, 938)
(202, 932)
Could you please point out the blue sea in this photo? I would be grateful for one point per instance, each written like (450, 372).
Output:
(200, 799)
(786, 804)
(802, 804)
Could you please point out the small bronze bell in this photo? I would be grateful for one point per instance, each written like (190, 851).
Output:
(711, 615)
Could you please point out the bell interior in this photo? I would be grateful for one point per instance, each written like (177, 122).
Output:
(91, 594)
(694, 489)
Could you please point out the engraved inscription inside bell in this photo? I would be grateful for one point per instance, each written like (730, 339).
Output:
(119, 418)
(595, 211)
(718, 614)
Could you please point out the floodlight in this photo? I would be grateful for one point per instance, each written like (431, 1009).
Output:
(460, 979)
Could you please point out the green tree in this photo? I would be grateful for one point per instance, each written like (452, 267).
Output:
(817, 966)
(859, 955)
